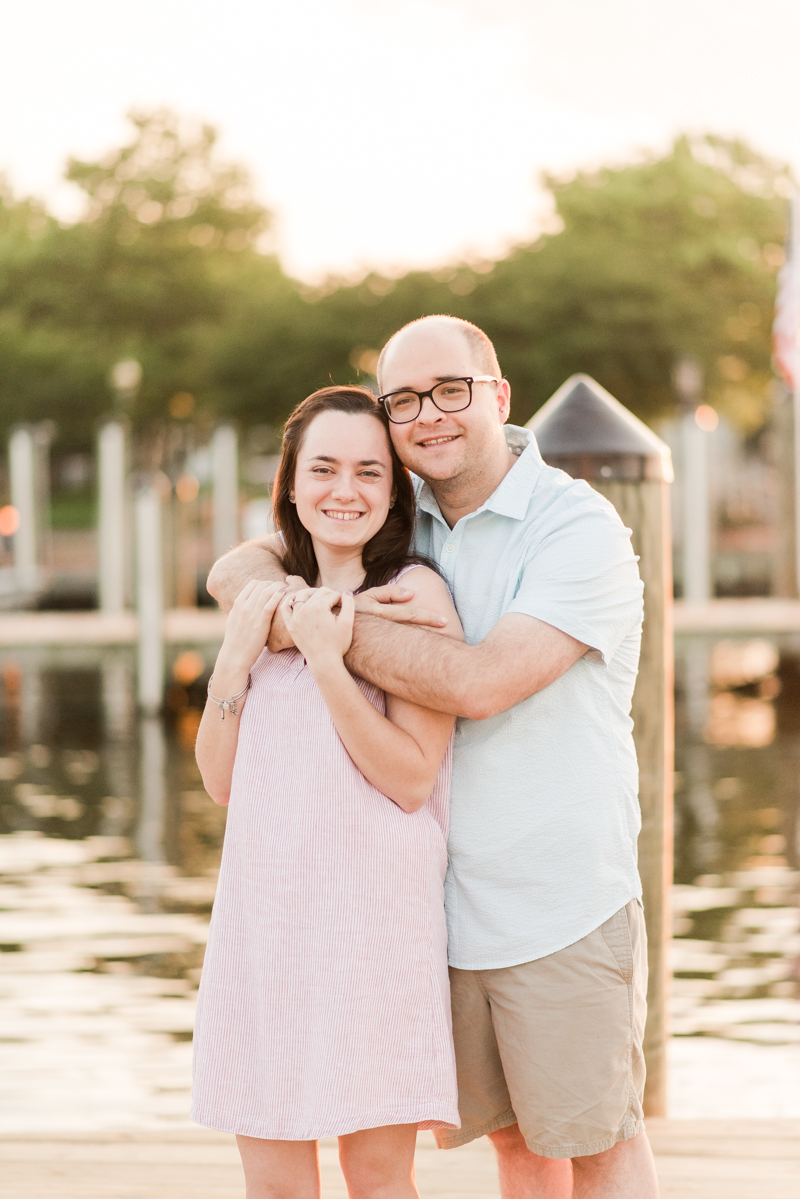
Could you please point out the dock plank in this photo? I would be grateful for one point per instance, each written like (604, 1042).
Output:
(757, 1159)
(723, 617)
(181, 625)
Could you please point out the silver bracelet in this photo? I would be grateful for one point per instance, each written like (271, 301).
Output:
(227, 705)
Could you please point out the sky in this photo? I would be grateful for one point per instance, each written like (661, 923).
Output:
(396, 133)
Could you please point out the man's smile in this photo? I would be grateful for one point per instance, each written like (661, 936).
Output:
(429, 441)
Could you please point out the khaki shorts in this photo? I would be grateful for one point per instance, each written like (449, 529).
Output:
(555, 1045)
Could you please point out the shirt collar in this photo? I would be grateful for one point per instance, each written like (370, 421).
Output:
(513, 495)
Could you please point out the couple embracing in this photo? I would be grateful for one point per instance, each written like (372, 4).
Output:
(369, 844)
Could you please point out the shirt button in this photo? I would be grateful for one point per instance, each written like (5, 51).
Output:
(449, 548)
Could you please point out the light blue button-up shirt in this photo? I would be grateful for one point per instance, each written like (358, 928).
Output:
(544, 814)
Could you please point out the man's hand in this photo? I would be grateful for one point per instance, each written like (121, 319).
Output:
(393, 602)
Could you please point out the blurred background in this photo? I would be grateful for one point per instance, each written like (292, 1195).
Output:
(206, 212)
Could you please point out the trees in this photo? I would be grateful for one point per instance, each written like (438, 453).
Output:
(674, 255)
(671, 255)
(159, 261)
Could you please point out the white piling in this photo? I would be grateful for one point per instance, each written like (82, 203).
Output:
(696, 511)
(111, 529)
(22, 468)
(225, 474)
(150, 599)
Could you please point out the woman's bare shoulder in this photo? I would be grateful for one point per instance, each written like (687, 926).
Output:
(431, 591)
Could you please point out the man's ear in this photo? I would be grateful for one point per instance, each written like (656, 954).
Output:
(504, 400)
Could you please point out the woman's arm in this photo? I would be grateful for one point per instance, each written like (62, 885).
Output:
(399, 753)
(261, 559)
(245, 637)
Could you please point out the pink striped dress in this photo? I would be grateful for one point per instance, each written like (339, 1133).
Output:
(324, 1004)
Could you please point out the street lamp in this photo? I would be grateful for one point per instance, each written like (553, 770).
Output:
(125, 378)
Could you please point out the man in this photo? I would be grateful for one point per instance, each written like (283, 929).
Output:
(546, 934)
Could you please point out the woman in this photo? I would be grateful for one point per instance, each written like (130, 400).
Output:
(324, 1003)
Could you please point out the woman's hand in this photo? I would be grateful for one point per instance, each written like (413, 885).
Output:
(247, 630)
(321, 634)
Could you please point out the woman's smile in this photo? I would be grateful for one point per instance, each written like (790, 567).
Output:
(341, 514)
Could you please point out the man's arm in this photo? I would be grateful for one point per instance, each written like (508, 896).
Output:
(260, 559)
(521, 655)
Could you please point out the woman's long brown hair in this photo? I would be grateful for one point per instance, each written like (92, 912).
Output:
(388, 551)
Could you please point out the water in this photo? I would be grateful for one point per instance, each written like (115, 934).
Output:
(109, 850)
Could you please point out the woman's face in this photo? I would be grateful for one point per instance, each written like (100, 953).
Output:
(343, 484)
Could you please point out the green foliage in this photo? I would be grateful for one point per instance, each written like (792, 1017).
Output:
(670, 256)
(73, 509)
(159, 262)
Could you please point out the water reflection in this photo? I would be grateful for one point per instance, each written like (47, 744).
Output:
(736, 957)
(109, 849)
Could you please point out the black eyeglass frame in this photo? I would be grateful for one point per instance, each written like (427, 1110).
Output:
(422, 396)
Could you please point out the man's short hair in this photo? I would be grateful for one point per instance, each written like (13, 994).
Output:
(479, 344)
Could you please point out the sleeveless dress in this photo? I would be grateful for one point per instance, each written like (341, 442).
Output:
(324, 1003)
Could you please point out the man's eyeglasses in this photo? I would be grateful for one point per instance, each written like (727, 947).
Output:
(453, 395)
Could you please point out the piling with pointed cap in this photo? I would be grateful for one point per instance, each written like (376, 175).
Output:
(584, 431)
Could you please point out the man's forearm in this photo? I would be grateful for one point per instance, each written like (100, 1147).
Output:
(412, 663)
(252, 560)
(520, 656)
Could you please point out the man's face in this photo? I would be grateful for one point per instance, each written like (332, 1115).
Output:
(444, 445)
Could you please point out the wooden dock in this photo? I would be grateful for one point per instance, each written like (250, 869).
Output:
(191, 626)
(198, 626)
(737, 616)
(706, 1159)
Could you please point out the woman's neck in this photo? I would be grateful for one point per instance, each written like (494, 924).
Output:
(340, 567)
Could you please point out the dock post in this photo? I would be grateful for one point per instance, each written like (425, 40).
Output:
(22, 469)
(695, 485)
(586, 432)
(112, 532)
(225, 475)
(150, 599)
(696, 511)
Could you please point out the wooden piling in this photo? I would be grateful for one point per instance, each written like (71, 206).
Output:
(644, 509)
(586, 432)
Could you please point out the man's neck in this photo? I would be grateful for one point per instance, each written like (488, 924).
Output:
(469, 491)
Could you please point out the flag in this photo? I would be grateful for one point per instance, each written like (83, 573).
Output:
(786, 328)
